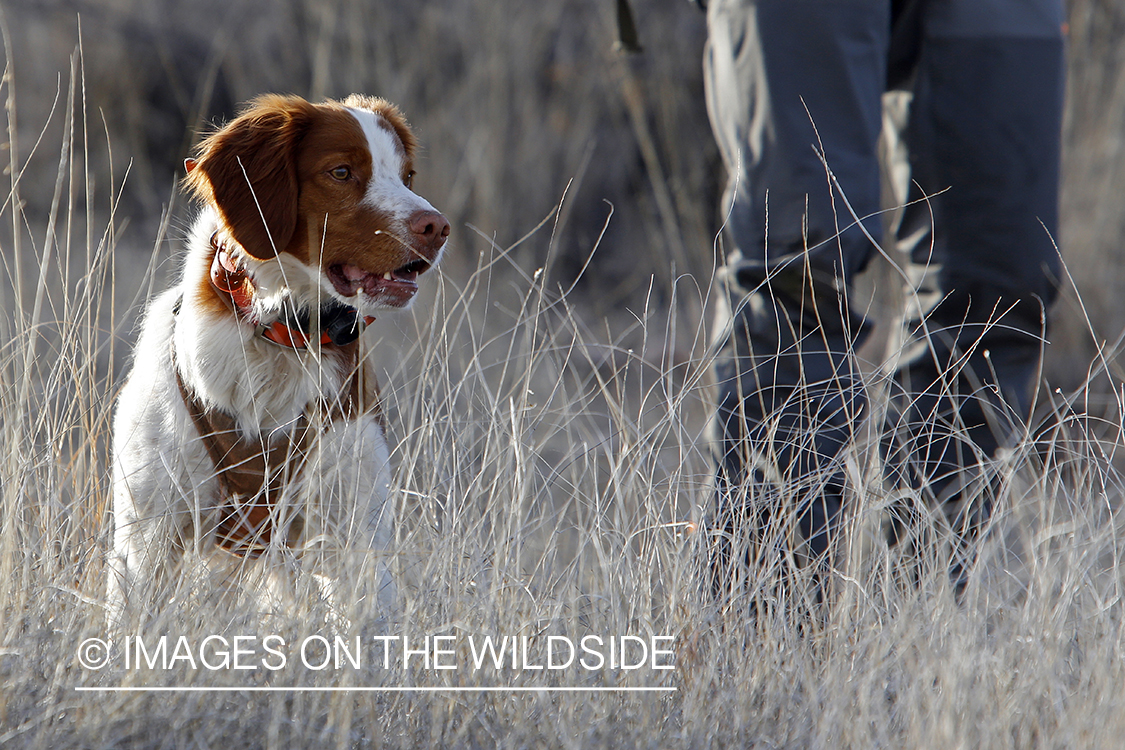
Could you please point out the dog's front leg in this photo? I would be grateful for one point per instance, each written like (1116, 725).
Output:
(147, 551)
(153, 499)
(349, 529)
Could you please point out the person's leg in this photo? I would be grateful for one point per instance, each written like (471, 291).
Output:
(787, 80)
(985, 129)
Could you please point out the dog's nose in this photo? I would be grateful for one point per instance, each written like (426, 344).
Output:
(429, 226)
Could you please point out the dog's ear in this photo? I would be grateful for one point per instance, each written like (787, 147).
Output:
(248, 170)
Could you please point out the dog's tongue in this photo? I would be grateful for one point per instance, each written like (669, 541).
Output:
(349, 280)
(353, 273)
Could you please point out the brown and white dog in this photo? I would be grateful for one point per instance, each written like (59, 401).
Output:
(249, 428)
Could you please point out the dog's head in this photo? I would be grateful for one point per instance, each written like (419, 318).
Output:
(329, 187)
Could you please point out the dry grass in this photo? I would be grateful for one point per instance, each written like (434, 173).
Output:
(545, 473)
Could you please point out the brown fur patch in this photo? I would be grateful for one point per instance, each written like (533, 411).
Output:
(391, 115)
(252, 473)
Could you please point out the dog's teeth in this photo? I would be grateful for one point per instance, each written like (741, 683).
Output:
(388, 276)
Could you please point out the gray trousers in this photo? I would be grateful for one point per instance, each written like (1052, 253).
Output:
(794, 92)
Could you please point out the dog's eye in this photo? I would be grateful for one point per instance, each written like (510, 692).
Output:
(340, 173)
(409, 180)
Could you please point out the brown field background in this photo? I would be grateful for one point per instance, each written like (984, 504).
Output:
(513, 101)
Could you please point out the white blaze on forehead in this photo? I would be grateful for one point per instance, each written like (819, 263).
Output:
(385, 191)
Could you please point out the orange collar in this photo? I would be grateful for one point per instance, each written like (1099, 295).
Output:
(339, 323)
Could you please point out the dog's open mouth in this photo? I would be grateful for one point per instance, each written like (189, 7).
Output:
(402, 283)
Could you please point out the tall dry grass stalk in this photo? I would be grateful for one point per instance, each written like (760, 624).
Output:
(545, 477)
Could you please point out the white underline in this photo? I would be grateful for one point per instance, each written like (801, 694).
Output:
(396, 689)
